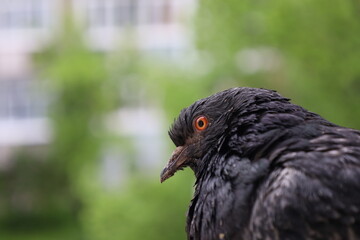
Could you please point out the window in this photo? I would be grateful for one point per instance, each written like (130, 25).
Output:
(97, 13)
(119, 13)
(156, 12)
(21, 99)
(102, 13)
(20, 14)
(125, 12)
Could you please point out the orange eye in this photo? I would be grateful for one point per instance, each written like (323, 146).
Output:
(201, 123)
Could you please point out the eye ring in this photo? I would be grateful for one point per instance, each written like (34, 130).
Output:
(201, 123)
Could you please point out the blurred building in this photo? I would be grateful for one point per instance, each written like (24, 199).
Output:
(26, 26)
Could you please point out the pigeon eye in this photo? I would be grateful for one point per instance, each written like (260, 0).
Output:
(201, 123)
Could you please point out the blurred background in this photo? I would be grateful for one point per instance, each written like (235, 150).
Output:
(89, 88)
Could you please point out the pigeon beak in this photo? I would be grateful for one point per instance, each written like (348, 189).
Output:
(178, 158)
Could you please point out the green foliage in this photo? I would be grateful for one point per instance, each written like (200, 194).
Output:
(82, 95)
(145, 209)
(58, 232)
(84, 92)
(318, 45)
(165, 83)
(26, 200)
(173, 86)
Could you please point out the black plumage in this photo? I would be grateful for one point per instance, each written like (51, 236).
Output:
(266, 169)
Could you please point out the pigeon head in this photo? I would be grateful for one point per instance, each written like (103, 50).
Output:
(202, 127)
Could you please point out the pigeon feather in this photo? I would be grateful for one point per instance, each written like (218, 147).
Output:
(266, 169)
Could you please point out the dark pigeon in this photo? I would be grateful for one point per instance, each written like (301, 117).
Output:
(266, 169)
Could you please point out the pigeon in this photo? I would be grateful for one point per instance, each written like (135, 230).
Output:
(266, 169)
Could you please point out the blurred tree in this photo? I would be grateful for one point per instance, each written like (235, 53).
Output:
(144, 209)
(82, 94)
(308, 50)
(174, 87)
(26, 200)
